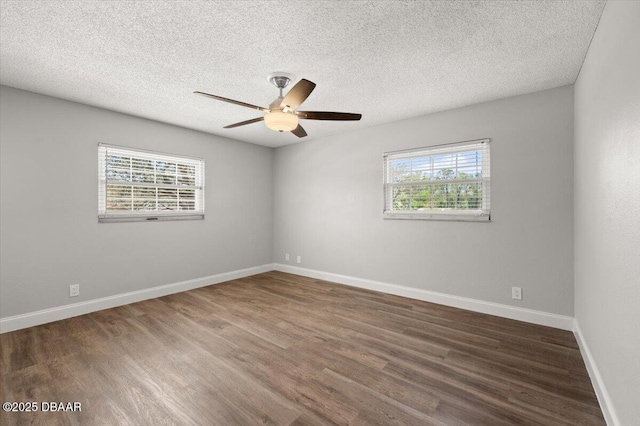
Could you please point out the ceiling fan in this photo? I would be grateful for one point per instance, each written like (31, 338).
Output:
(281, 115)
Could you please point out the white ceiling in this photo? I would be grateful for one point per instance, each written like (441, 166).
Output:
(388, 60)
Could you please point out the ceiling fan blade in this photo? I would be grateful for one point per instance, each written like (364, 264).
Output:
(299, 132)
(328, 115)
(242, 123)
(298, 94)
(231, 101)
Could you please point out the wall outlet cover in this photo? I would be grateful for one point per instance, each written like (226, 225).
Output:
(74, 290)
(516, 293)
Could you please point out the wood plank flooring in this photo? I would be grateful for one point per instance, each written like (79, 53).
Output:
(282, 349)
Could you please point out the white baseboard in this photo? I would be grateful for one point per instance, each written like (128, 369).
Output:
(44, 316)
(606, 404)
(521, 314)
(62, 312)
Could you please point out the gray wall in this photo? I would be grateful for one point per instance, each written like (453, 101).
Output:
(607, 204)
(48, 218)
(328, 205)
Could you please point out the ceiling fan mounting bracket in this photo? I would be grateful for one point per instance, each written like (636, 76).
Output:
(280, 79)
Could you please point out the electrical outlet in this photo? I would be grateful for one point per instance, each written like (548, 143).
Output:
(516, 293)
(299, 259)
(74, 290)
(286, 257)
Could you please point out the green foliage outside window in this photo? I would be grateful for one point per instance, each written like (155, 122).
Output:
(450, 181)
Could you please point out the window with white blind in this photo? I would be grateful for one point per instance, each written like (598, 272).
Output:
(442, 182)
(144, 185)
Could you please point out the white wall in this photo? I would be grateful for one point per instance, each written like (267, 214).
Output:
(328, 206)
(607, 205)
(48, 215)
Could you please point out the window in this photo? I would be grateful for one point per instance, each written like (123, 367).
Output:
(144, 185)
(443, 182)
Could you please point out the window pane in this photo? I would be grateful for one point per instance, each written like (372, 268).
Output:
(186, 180)
(166, 179)
(446, 161)
(144, 204)
(400, 170)
(116, 191)
(187, 194)
(421, 168)
(119, 204)
(144, 192)
(167, 205)
(186, 169)
(401, 197)
(119, 175)
(445, 174)
(166, 193)
(187, 205)
(143, 164)
(143, 177)
(118, 162)
(163, 167)
(421, 198)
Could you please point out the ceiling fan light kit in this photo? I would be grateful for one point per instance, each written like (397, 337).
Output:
(281, 115)
(281, 121)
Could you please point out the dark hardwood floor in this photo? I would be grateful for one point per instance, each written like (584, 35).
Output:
(281, 349)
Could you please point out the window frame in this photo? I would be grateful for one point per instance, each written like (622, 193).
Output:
(105, 216)
(476, 215)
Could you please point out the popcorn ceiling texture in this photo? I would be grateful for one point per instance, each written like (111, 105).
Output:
(388, 60)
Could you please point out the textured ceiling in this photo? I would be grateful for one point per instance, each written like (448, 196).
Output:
(388, 60)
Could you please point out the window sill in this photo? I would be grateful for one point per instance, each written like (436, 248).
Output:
(448, 217)
(159, 218)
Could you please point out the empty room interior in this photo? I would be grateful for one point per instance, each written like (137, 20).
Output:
(320, 212)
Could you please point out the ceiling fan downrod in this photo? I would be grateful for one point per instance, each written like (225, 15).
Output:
(280, 80)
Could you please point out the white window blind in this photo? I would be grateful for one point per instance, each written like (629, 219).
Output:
(143, 185)
(443, 182)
